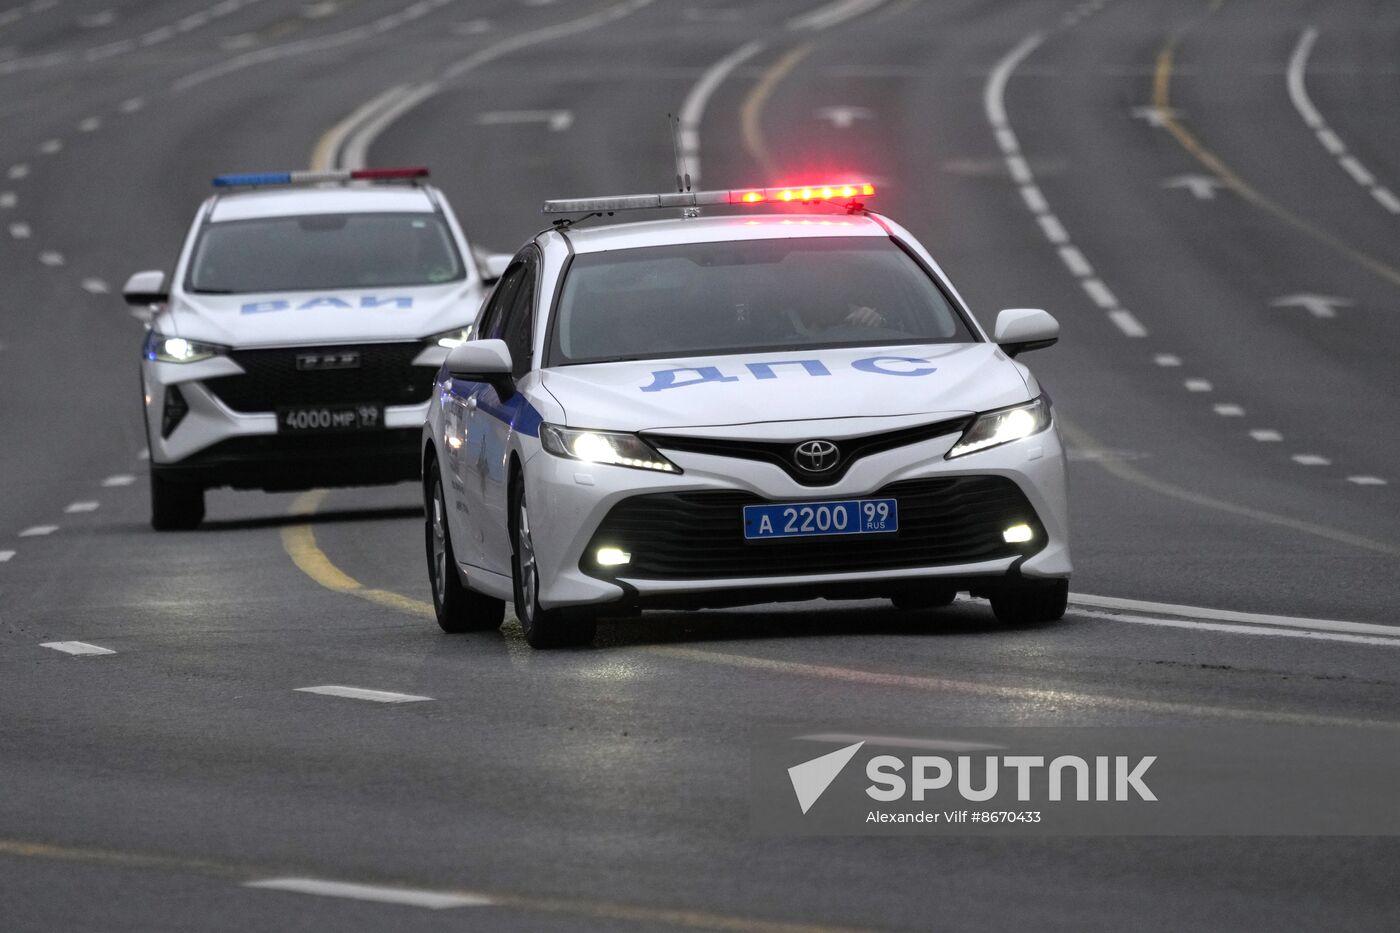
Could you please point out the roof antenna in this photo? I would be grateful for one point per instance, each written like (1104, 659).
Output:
(682, 172)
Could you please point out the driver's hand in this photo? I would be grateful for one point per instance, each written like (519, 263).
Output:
(864, 316)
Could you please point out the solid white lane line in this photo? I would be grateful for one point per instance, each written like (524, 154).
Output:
(1297, 66)
(1366, 480)
(1052, 228)
(76, 647)
(76, 507)
(1075, 262)
(1393, 642)
(120, 479)
(1167, 359)
(359, 693)
(1266, 435)
(1099, 293)
(6, 555)
(900, 741)
(1229, 410)
(1331, 142)
(1034, 199)
(1198, 385)
(1127, 323)
(698, 98)
(1230, 615)
(95, 286)
(408, 897)
(1311, 460)
(994, 94)
(38, 531)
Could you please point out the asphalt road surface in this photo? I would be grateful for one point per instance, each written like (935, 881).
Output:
(1206, 194)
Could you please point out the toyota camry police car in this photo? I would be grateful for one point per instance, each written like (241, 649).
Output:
(737, 409)
(295, 345)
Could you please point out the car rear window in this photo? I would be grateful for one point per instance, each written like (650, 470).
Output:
(699, 299)
(323, 251)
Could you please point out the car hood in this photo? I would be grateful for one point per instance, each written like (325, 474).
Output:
(652, 395)
(321, 317)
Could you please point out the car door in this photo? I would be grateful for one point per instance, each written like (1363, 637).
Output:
(497, 416)
(466, 457)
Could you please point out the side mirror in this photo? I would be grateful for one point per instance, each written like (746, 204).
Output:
(485, 361)
(146, 288)
(1022, 329)
(493, 266)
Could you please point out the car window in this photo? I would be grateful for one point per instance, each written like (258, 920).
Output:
(745, 296)
(324, 251)
(519, 329)
(493, 318)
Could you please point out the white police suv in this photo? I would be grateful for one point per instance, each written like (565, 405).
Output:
(736, 409)
(295, 345)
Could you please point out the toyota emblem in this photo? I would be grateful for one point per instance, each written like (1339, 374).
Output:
(816, 456)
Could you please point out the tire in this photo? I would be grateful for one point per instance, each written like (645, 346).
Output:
(544, 628)
(1031, 603)
(175, 506)
(927, 596)
(458, 609)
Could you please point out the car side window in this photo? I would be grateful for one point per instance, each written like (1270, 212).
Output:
(518, 331)
(502, 298)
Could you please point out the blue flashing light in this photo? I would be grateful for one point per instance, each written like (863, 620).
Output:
(265, 178)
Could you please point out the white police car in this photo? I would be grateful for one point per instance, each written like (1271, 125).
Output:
(736, 409)
(296, 342)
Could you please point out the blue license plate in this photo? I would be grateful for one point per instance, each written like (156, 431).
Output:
(808, 519)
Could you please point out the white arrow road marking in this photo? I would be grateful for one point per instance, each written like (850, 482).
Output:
(1318, 305)
(844, 116)
(1202, 186)
(558, 120)
(120, 479)
(811, 778)
(1358, 480)
(1311, 460)
(38, 531)
(6, 555)
(359, 693)
(1266, 435)
(76, 507)
(76, 647)
(408, 897)
(1156, 116)
(95, 286)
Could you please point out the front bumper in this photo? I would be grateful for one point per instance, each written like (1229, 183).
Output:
(212, 443)
(574, 499)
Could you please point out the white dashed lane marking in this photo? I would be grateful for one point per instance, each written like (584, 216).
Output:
(1075, 262)
(1229, 411)
(95, 286)
(8, 199)
(359, 693)
(90, 125)
(1198, 385)
(51, 258)
(76, 647)
(50, 147)
(1311, 460)
(120, 479)
(1366, 480)
(1167, 359)
(131, 105)
(407, 897)
(76, 507)
(38, 531)
(18, 171)
(1125, 322)
(1052, 228)
(1100, 294)
(20, 230)
(1266, 435)
(6, 555)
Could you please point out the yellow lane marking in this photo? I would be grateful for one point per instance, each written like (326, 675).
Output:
(751, 114)
(1161, 99)
(1077, 437)
(600, 910)
(316, 564)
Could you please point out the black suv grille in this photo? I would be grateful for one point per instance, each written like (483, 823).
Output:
(851, 448)
(385, 376)
(700, 535)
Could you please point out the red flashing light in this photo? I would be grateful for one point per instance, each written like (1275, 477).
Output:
(382, 174)
(805, 193)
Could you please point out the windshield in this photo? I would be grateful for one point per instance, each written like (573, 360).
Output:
(698, 299)
(323, 251)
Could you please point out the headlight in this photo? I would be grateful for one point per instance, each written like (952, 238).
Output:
(1003, 427)
(627, 450)
(178, 349)
(450, 339)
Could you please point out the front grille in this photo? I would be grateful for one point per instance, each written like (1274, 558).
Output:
(781, 454)
(700, 535)
(385, 376)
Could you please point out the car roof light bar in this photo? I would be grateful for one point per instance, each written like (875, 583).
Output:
(847, 194)
(263, 179)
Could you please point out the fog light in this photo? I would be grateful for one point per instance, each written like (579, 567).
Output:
(1018, 534)
(612, 557)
